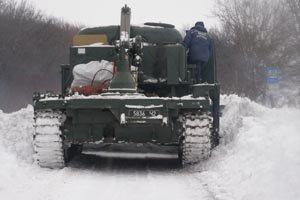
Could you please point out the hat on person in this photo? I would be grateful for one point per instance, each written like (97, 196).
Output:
(199, 24)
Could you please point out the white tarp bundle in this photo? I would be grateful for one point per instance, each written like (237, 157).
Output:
(93, 73)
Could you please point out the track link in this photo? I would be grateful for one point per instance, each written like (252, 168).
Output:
(196, 139)
(48, 143)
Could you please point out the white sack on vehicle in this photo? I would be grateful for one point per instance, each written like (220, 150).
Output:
(93, 73)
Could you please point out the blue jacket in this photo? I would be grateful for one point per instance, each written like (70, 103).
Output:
(198, 43)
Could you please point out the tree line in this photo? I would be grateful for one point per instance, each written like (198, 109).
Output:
(32, 46)
(253, 35)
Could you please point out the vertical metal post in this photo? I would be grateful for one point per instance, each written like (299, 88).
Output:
(125, 24)
(123, 81)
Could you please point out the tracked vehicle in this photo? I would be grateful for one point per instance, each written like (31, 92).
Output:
(151, 96)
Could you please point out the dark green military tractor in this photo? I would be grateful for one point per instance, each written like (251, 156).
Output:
(152, 97)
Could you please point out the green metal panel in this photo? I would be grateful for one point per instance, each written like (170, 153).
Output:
(150, 34)
(210, 71)
(175, 64)
(91, 116)
(79, 55)
(165, 61)
(145, 133)
(119, 103)
(87, 119)
(139, 133)
(66, 77)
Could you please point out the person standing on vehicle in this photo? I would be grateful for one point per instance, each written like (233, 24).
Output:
(198, 45)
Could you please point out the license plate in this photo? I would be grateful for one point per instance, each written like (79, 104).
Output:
(140, 113)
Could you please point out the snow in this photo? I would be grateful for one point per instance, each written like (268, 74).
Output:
(98, 44)
(118, 95)
(165, 120)
(151, 80)
(258, 158)
(16, 131)
(259, 155)
(124, 36)
(122, 119)
(144, 107)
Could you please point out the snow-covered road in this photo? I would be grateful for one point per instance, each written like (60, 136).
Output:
(258, 159)
(91, 177)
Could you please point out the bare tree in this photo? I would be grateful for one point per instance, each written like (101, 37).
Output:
(255, 32)
(294, 7)
(32, 47)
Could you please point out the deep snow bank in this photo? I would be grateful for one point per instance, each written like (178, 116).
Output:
(259, 155)
(16, 131)
(16, 152)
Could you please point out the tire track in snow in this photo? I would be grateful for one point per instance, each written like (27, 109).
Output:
(135, 179)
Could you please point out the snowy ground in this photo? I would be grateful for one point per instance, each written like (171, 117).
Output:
(258, 159)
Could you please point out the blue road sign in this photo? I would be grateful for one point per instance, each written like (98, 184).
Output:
(273, 75)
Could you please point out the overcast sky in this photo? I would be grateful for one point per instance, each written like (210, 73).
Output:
(99, 12)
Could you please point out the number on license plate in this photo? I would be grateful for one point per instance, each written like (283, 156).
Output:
(143, 113)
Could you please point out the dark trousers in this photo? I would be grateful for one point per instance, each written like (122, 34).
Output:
(199, 69)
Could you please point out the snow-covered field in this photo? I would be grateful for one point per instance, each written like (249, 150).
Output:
(258, 159)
